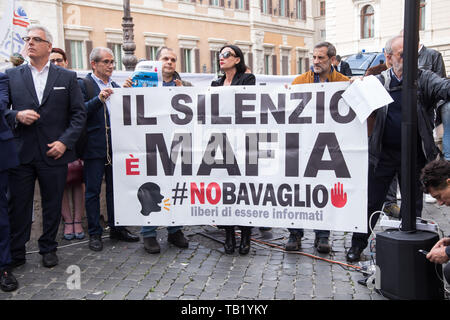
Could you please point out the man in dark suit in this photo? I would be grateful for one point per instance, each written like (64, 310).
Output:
(97, 156)
(8, 159)
(342, 66)
(48, 115)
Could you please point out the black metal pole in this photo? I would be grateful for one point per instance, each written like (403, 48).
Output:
(409, 115)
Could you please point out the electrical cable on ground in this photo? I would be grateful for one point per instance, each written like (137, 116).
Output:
(342, 264)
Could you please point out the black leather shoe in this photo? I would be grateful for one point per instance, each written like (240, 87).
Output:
(49, 259)
(178, 239)
(16, 263)
(244, 246)
(151, 245)
(8, 282)
(354, 254)
(322, 245)
(230, 241)
(294, 242)
(95, 242)
(122, 234)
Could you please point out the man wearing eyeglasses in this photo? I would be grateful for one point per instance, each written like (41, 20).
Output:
(385, 141)
(47, 114)
(97, 87)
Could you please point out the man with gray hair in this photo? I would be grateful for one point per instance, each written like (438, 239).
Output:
(47, 116)
(385, 141)
(97, 87)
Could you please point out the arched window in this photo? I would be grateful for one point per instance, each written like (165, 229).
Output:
(367, 22)
(422, 15)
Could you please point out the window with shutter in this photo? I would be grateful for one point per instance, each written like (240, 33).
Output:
(322, 9)
(186, 62)
(274, 64)
(267, 64)
(197, 60)
(367, 22)
(68, 53)
(300, 65)
(214, 57)
(285, 65)
(88, 44)
(303, 9)
(250, 61)
(150, 52)
(422, 15)
(307, 64)
(116, 48)
(76, 54)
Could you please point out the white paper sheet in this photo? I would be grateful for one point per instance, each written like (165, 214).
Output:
(366, 95)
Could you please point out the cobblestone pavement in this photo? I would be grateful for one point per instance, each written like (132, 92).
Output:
(201, 272)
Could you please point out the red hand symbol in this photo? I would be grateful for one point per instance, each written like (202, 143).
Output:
(338, 196)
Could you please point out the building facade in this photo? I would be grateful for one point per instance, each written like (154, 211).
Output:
(276, 36)
(356, 25)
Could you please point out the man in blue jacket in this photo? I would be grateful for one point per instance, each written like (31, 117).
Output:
(8, 159)
(97, 156)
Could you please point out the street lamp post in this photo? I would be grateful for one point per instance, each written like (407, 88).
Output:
(129, 59)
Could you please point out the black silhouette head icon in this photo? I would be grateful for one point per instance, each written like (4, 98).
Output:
(149, 195)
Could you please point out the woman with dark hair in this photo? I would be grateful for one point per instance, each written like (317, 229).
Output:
(232, 64)
(59, 58)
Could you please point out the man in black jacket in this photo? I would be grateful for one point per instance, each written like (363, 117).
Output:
(342, 66)
(430, 59)
(385, 141)
(47, 115)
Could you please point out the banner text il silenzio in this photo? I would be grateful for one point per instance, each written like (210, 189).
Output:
(326, 140)
(243, 103)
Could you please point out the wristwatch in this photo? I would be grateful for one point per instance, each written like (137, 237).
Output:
(447, 251)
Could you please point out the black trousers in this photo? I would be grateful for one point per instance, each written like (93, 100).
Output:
(94, 170)
(22, 179)
(379, 181)
(5, 251)
(447, 272)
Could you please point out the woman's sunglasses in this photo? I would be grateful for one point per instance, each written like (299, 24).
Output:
(226, 55)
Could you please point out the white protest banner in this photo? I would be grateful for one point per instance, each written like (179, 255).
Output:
(13, 27)
(256, 156)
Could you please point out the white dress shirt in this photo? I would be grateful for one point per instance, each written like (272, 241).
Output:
(102, 86)
(40, 79)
